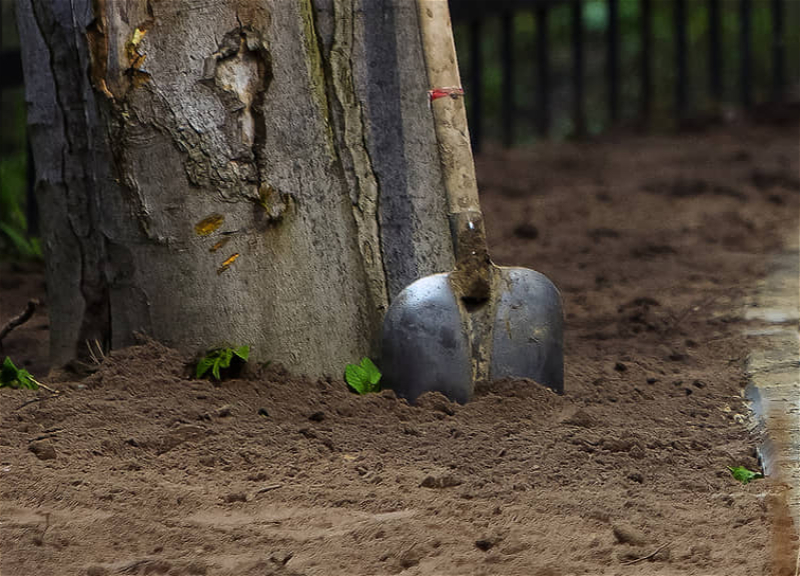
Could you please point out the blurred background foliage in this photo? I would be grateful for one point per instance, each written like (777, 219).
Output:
(16, 240)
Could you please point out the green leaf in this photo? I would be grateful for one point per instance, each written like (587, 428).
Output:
(220, 359)
(203, 366)
(13, 377)
(744, 475)
(224, 360)
(373, 373)
(8, 372)
(356, 378)
(363, 378)
(26, 380)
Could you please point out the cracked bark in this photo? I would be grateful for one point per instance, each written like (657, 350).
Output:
(231, 172)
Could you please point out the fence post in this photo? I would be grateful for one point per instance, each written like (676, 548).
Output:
(681, 87)
(612, 60)
(645, 24)
(714, 52)
(543, 68)
(507, 56)
(778, 52)
(577, 67)
(744, 42)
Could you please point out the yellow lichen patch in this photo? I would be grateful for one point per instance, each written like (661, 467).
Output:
(138, 76)
(219, 244)
(209, 224)
(138, 34)
(133, 44)
(228, 261)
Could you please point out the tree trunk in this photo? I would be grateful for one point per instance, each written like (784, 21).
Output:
(216, 172)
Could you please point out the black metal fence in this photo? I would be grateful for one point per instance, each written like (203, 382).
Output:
(591, 64)
(525, 83)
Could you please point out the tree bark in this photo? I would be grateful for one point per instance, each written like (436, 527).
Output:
(223, 172)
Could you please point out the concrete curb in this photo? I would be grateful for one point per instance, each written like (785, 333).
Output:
(773, 367)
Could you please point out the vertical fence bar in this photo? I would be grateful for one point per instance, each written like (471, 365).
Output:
(612, 59)
(681, 84)
(714, 52)
(543, 70)
(507, 56)
(476, 84)
(778, 52)
(579, 117)
(645, 25)
(745, 11)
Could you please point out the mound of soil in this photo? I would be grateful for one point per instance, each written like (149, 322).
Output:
(655, 243)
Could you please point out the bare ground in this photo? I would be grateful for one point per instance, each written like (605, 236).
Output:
(655, 243)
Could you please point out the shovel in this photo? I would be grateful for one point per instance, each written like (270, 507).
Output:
(480, 321)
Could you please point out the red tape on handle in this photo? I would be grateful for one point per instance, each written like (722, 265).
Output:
(442, 92)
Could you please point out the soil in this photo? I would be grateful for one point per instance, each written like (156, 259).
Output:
(655, 242)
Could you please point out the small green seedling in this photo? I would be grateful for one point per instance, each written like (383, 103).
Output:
(220, 359)
(363, 378)
(13, 377)
(744, 475)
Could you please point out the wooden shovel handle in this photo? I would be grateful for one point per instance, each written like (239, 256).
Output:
(472, 278)
(450, 115)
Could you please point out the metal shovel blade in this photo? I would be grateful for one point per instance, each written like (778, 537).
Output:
(480, 321)
(433, 341)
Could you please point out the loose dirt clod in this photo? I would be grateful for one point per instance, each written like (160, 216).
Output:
(440, 481)
(43, 449)
(626, 534)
